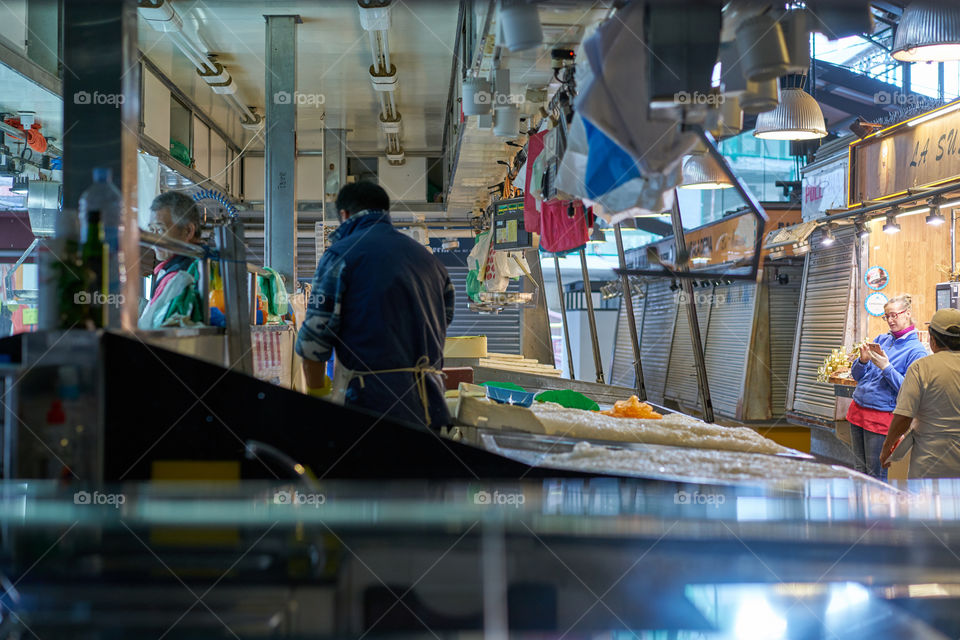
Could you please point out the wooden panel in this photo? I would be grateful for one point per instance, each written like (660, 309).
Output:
(911, 258)
(906, 157)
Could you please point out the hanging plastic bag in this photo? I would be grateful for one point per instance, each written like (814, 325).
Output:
(275, 293)
(477, 266)
(511, 264)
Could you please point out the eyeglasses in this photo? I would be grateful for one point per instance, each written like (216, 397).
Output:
(893, 316)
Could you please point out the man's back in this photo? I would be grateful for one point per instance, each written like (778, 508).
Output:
(392, 309)
(382, 302)
(931, 394)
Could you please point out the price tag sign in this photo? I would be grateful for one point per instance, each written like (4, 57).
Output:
(31, 316)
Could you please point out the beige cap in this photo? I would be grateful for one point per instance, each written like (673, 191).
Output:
(946, 322)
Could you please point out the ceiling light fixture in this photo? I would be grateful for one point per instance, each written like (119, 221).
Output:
(762, 48)
(935, 217)
(796, 117)
(760, 97)
(929, 31)
(891, 226)
(861, 230)
(701, 171)
(519, 23)
(598, 236)
(828, 238)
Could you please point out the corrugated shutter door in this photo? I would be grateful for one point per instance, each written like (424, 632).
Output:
(306, 255)
(502, 329)
(784, 307)
(682, 383)
(621, 372)
(826, 297)
(660, 312)
(727, 344)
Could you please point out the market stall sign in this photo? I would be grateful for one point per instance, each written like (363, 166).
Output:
(875, 303)
(876, 278)
(727, 240)
(904, 157)
(824, 188)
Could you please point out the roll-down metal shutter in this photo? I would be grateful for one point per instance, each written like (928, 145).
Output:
(659, 316)
(621, 371)
(682, 384)
(502, 329)
(727, 344)
(784, 310)
(824, 302)
(306, 255)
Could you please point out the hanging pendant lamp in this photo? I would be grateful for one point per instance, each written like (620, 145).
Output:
(701, 171)
(797, 117)
(929, 31)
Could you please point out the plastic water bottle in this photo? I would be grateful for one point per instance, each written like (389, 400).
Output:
(103, 196)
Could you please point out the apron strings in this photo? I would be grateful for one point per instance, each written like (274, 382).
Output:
(419, 372)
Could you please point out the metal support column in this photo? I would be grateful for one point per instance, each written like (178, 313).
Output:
(591, 318)
(535, 341)
(693, 322)
(563, 314)
(280, 148)
(631, 320)
(101, 115)
(233, 269)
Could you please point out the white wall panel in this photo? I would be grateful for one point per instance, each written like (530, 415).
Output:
(156, 110)
(310, 178)
(218, 158)
(253, 178)
(406, 183)
(201, 146)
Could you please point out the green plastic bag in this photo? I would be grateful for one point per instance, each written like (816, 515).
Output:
(569, 399)
(274, 292)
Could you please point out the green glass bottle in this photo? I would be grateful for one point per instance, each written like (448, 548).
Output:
(92, 256)
(69, 274)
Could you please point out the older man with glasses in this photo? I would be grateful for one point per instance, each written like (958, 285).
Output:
(879, 373)
(175, 299)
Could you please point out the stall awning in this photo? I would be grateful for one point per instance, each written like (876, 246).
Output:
(15, 235)
(794, 236)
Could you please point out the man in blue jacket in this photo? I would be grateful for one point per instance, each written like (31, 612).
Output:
(383, 302)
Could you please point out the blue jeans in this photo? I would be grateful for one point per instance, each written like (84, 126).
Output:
(866, 451)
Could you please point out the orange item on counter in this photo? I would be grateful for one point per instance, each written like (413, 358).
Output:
(632, 408)
(216, 300)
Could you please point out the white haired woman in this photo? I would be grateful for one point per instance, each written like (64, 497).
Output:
(879, 373)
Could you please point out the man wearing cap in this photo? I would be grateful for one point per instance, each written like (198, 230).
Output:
(931, 393)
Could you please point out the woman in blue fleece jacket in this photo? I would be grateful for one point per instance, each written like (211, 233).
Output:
(879, 374)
